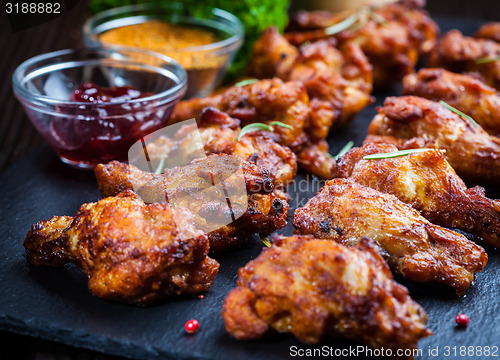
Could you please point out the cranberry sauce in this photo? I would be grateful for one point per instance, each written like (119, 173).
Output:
(106, 131)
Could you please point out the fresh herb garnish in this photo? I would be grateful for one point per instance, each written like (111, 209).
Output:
(345, 149)
(161, 165)
(343, 25)
(246, 82)
(487, 59)
(395, 154)
(260, 126)
(458, 112)
(266, 242)
(356, 21)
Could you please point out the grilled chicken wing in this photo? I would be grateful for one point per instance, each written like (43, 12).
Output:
(266, 101)
(410, 122)
(459, 53)
(464, 92)
(489, 31)
(131, 252)
(263, 211)
(338, 80)
(346, 211)
(428, 183)
(392, 37)
(312, 288)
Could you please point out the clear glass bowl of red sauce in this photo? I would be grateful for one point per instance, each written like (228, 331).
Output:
(92, 104)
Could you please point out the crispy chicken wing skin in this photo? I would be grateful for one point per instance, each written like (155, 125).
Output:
(131, 252)
(346, 211)
(312, 288)
(266, 101)
(489, 31)
(266, 209)
(338, 80)
(459, 53)
(392, 37)
(410, 122)
(428, 183)
(263, 101)
(464, 92)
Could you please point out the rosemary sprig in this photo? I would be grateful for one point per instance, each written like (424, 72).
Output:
(356, 21)
(345, 149)
(266, 242)
(487, 59)
(161, 165)
(281, 124)
(343, 25)
(395, 154)
(260, 126)
(246, 82)
(458, 112)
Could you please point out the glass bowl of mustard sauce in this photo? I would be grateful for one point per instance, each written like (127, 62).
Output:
(204, 44)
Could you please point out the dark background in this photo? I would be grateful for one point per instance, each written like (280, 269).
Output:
(17, 135)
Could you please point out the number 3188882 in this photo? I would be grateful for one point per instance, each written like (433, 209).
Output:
(33, 8)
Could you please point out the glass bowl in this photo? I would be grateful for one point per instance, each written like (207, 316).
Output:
(205, 64)
(84, 134)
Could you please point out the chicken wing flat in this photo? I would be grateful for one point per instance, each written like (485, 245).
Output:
(464, 92)
(346, 211)
(489, 31)
(262, 211)
(264, 101)
(131, 252)
(312, 288)
(428, 183)
(392, 37)
(459, 53)
(411, 122)
(338, 80)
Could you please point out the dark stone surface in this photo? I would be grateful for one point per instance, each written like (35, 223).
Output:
(54, 303)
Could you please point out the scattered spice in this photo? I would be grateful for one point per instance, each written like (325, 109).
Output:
(462, 320)
(192, 326)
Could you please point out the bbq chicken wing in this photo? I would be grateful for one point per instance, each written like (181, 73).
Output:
(459, 53)
(346, 211)
(312, 288)
(428, 183)
(259, 208)
(410, 122)
(131, 252)
(392, 37)
(338, 80)
(264, 101)
(464, 92)
(489, 31)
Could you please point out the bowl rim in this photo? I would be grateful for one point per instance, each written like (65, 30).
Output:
(168, 95)
(234, 41)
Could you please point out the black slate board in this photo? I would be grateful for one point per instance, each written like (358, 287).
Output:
(55, 304)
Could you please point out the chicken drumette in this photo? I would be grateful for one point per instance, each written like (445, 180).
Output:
(346, 211)
(254, 204)
(312, 288)
(459, 53)
(392, 37)
(428, 183)
(410, 122)
(131, 252)
(464, 92)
